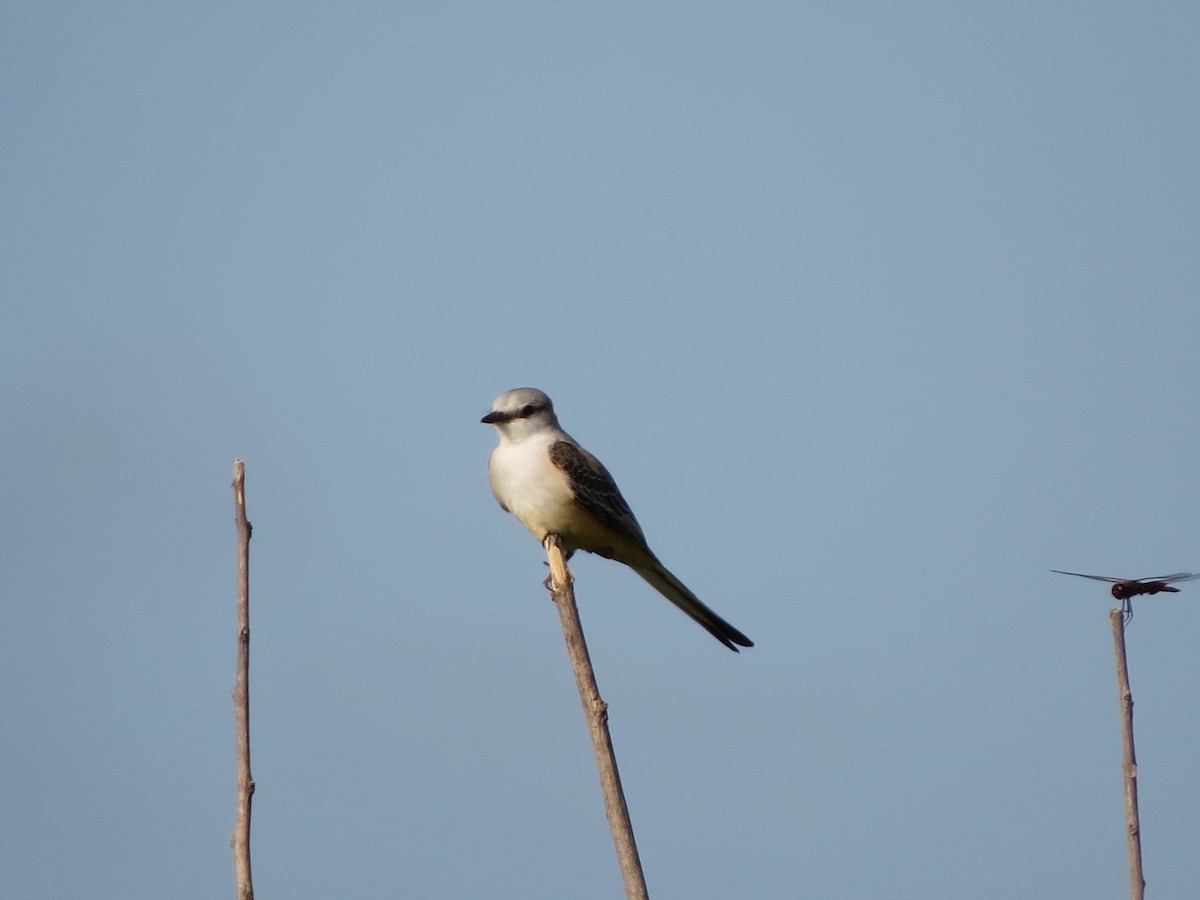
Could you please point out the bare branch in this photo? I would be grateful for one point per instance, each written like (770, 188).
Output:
(1137, 883)
(241, 693)
(595, 710)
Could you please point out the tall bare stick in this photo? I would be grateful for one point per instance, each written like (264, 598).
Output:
(595, 710)
(1137, 883)
(241, 693)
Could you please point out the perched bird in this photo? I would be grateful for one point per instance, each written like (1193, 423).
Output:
(553, 486)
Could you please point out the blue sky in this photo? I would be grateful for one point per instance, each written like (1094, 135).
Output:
(877, 312)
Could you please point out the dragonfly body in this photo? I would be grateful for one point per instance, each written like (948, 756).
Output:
(1125, 588)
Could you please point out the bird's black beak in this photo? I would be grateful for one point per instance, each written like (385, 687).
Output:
(493, 417)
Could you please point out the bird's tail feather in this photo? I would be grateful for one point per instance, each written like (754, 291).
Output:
(676, 591)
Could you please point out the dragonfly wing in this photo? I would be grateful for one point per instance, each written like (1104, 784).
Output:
(1178, 576)
(1093, 577)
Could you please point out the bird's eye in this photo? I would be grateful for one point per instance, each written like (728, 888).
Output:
(527, 411)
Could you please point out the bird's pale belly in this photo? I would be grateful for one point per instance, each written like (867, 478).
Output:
(543, 513)
(541, 500)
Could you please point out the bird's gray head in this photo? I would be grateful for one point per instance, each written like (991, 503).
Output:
(520, 411)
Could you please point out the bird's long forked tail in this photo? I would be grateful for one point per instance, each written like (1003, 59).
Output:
(676, 591)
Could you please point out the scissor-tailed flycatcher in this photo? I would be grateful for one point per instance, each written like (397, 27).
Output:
(553, 486)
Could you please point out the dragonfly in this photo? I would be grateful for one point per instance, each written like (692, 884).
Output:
(1125, 589)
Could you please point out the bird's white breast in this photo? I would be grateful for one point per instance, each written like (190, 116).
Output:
(530, 486)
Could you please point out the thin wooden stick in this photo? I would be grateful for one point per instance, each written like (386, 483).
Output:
(241, 693)
(1137, 883)
(595, 710)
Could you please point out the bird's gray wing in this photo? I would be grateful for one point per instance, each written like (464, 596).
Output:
(595, 489)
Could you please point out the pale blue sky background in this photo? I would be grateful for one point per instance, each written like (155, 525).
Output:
(877, 312)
